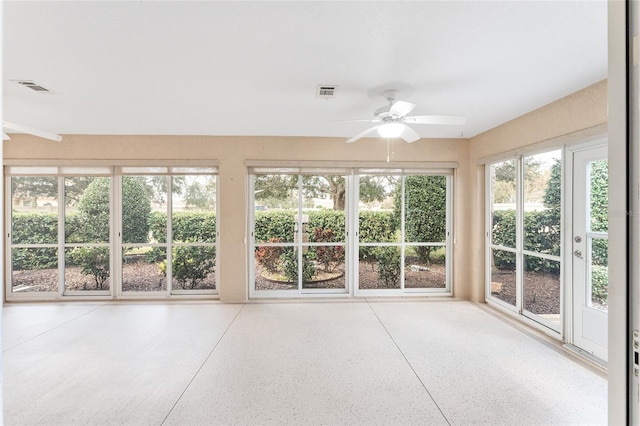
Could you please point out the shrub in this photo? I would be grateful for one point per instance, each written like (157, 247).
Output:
(329, 256)
(269, 256)
(599, 284)
(388, 265)
(191, 265)
(275, 224)
(289, 261)
(93, 261)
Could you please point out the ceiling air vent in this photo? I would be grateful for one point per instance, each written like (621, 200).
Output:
(33, 86)
(326, 91)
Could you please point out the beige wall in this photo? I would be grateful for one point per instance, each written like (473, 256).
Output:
(567, 120)
(571, 119)
(231, 154)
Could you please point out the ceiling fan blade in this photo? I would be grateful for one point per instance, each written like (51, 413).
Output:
(401, 108)
(363, 134)
(436, 119)
(31, 131)
(409, 135)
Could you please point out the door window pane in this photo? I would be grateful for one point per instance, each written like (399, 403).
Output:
(425, 267)
(34, 225)
(503, 203)
(276, 208)
(87, 213)
(275, 267)
(86, 268)
(425, 208)
(542, 202)
(503, 275)
(34, 270)
(599, 274)
(542, 287)
(598, 196)
(379, 267)
(144, 269)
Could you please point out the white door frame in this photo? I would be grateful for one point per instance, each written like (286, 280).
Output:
(570, 327)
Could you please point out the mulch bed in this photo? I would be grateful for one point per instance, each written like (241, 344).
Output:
(136, 276)
(541, 291)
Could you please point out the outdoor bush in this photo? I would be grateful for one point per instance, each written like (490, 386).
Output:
(269, 256)
(599, 284)
(136, 207)
(542, 235)
(191, 265)
(274, 224)
(93, 261)
(330, 257)
(34, 228)
(289, 261)
(388, 265)
(327, 219)
(425, 212)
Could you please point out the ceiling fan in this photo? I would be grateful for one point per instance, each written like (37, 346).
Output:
(30, 130)
(393, 120)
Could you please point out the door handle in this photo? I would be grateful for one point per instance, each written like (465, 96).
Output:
(577, 253)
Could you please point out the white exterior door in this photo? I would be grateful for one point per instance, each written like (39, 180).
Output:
(589, 250)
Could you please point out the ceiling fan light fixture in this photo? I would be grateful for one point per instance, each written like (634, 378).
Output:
(391, 130)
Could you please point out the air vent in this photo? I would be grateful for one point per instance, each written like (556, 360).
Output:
(326, 91)
(33, 86)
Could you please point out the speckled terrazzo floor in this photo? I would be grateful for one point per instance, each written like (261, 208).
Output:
(333, 363)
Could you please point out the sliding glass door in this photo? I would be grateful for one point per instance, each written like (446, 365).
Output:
(298, 232)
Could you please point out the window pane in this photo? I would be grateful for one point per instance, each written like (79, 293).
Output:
(34, 269)
(542, 287)
(193, 268)
(379, 267)
(328, 267)
(425, 267)
(425, 204)
(87, 214)
(599, 196)
(34, 210)
(542, 202)
(503, 203)
(144, 269)
(599, 275)
(86, 268)
(194, 209)
(378, 222)
(503, 276)
(323, 216)
(137, 192)
(276, 268)
(276, 208)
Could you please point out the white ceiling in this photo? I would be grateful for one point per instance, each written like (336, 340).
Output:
(251, 68)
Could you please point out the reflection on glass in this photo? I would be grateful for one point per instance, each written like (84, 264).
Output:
(598, 196)
(599, 274)
(542, 287)
(503, 276)
(542, 202)
(503, 203)
(379, 267)
(276, 268)
(193, 267)
(86, 268)
(144, 268)
(425, 208)
(425, 267)
(34, 269)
